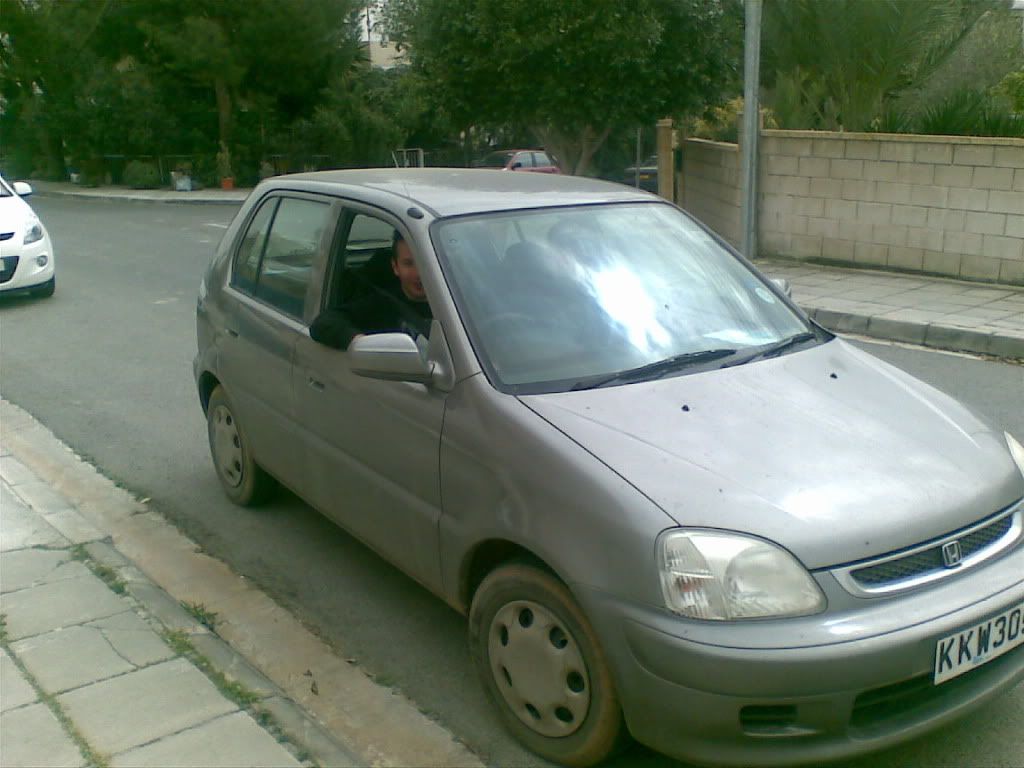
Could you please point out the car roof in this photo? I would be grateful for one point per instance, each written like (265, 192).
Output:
(455, 191)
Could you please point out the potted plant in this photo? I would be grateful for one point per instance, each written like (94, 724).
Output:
(227, 180)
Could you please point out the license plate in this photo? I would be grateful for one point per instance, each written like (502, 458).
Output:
(969, 648)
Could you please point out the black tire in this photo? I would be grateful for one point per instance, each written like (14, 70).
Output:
(243, 480)
(525, 618)
(44, 290)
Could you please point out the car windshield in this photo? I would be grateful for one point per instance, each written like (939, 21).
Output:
(568, 298)
(496, 160)
(5, 190)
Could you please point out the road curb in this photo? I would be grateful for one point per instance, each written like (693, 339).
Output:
(141, 198)
(934, 336)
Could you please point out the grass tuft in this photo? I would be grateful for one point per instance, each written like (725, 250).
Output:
(202, 614)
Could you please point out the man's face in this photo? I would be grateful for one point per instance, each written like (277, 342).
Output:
(405, 270)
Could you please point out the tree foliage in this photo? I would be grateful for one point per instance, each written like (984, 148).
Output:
(572, 71)
(85, 79)
(844, 64)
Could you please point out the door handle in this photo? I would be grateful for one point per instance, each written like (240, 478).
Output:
(232, 333)
(315, 384)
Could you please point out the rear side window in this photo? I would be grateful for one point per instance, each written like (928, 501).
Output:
(288, 256)
(247, 260)
(541, 159)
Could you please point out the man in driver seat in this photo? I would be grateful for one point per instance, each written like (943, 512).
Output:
(397, 306)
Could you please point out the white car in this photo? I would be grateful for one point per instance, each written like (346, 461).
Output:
(26, 251)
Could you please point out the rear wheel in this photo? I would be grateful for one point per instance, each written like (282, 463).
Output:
(543, 667)
(242, 479)
(44, 290)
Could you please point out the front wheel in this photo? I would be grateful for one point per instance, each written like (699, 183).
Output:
(541, 663)
(242, 479)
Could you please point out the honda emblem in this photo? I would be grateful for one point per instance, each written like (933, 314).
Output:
(951, 554)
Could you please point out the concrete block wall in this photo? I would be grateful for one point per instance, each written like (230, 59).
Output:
(710, 188)
(947, 205)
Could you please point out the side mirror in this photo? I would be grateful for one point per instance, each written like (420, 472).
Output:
(783, 285)
(22, 189)
(516, 166)
(389, 356)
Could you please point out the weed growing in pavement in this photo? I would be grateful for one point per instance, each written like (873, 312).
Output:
(242, 696)
(104, 572)
(109, 577)
(238, 693)
(202, 614)
(3, 629)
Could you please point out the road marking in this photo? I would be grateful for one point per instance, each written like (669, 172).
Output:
(218, 225)
(166, 301)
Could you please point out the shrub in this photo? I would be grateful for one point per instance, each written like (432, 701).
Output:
(141, 175)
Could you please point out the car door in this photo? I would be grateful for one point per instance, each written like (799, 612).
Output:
(371, 447)
(265, 311)
(544, 164)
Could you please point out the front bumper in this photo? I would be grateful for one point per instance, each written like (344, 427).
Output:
(700, 692)
(26, 272)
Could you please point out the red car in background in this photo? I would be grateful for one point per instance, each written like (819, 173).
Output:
(533, 160)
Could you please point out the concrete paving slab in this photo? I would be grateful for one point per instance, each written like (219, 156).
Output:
(14, 472)
(75, 528)
(17, 691)
(21, 528)
(42, 497)
(134, 709)
(133, 639)
(70, 658)
(32, 736)
(25, 568)
(228, 741)
(47, 607)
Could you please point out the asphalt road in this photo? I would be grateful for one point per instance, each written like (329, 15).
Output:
(106, 364)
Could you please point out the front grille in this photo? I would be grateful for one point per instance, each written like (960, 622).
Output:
(8, 265)
(930, 560)
(6, 235)
(924, 563)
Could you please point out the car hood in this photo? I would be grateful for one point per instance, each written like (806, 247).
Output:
(829, 452)
(13, 213)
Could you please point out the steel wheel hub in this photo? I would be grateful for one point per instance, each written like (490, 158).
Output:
(227, 446)
(539, 669)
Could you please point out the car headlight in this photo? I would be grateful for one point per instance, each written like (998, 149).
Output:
(33, 230)
(718, 576)
(1016, 451)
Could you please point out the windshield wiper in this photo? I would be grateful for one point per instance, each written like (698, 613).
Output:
(776, 349)
(656, 369)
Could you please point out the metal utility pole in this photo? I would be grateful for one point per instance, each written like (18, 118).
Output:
(751, 124)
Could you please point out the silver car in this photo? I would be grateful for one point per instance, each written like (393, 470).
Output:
(671, 506)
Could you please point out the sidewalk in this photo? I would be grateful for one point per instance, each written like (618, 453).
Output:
(89, 674)
(66, 189)
(980, 318)
(123, 644)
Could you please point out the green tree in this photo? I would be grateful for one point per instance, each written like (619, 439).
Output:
(46, 55)
(842, 64)
(571, 71)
